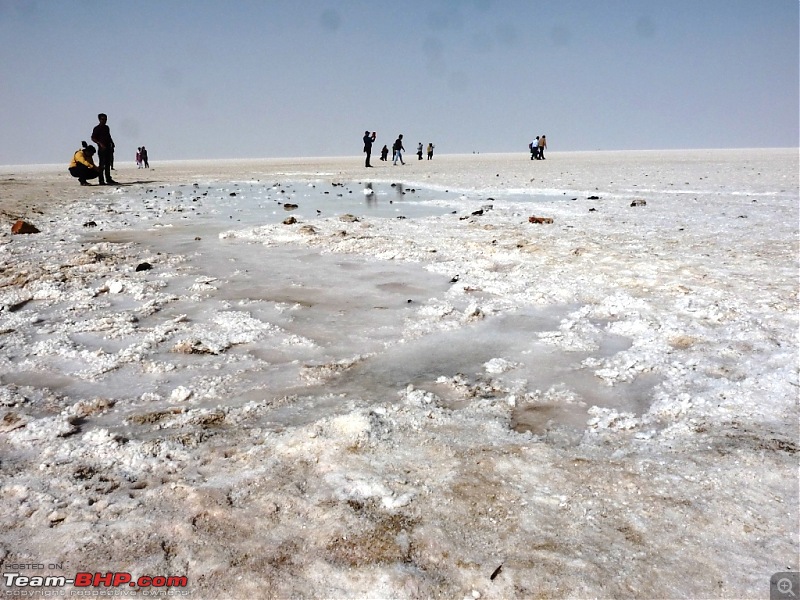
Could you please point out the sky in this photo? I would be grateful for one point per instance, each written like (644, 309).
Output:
(201, 79)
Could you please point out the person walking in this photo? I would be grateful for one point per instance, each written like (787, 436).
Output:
(397, 150)
(384, 153)
(368, 139)
(542, 146)
(534, 147)
(419, 151)
(430, 150)
(82, 165)
(145, 161)
(101, 135)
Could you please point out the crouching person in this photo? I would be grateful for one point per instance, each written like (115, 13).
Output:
(82, 165)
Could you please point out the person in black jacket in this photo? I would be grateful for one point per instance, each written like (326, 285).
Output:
(101, 135)
(397, 150)
(368, 139)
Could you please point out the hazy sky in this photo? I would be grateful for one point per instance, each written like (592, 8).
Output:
(238, 78)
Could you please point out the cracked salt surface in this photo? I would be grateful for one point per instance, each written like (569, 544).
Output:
(606, 406)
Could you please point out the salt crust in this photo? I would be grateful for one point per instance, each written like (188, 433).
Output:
(425, 493)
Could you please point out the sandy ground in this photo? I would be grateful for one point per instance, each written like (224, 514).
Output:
(464, 488)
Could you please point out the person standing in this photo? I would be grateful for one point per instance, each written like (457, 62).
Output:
(138, 158)
(397, 150)
(534, 146)
(101, 135)
(368, 139)
(430, 150)
(419, 151)
(542, 146)
(384, 153)
(145, 161)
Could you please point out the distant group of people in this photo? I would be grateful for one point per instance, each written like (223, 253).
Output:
(419, 151)
(537, 147)
(397, 149)
(83, 167)
(141, 158)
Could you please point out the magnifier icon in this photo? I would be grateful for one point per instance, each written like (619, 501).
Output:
(785, 587)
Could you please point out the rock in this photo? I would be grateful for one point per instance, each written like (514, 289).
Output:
(289, 206)
(593, 198)
(540, 220)
(639, 202)
(90, 224)
(56, 516)
(194, 347)
(23, 227)
(473, 313)
(289, 221)
(12, 421)
(348, 218)
(309, 229)
(145, 266)
(180, 394)
(88, 408)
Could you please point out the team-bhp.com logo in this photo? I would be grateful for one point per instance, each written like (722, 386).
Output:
(94, 580)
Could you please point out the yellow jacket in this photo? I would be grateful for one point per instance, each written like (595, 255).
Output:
(80, 158)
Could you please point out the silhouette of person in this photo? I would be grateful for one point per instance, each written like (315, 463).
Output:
(145, 160)
(430, 150)
(368, 139)
(397, 150)
(542, 146)
(138, 158)
(534, 146)
(82, 165)
(384, 152)
(419, 151)
(101, 135)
